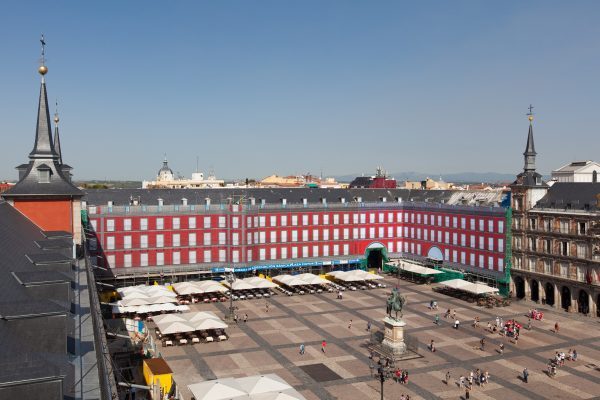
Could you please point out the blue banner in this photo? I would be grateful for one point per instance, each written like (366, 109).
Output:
(285, 266)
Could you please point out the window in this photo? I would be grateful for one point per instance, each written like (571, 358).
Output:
(127, 224)
(481, 224)
(144, 241)
(144, 224)
(176, 240)
(315, 219)
(481, 261)
(127, 261)
(294, 220)
(222, 222)
(346, 249)
(500, 226)
(160, 258)
(547, 267)
(305, 219)
(284, 252)
(390, 232)
(294, 252)
(491, 262)
(372, 218)
(160, 240)
(294, 236)
(363, 233)
(564, 226)
(262, 221)
(191, 239)
(127, 242)
(305, 235)
(336, 219)
(222, 255)
(581, 273)
(326, 250)
(207, 256)
(273, 236)
(381, 218)
(160, 223)
(532, 224)
(472, 223)
(305, 251)
(398, 217)
(582, 228)
(491, 225)
(501, 245)
(463, 240)
(192, 257)
(206, 222)
(336, 249)
(447, 237)
(176, 258)
(235, 239)
(325, 234)
(262, 237)
(564, 248)
(380, 232)
(176, 222)
(284, 220)
(447, 221)
(283, 236)
(363, 218)
(207, 239)
(110, 225)
(454, 239)
(372, 232)
(315, 251)
(144, 259)
(425, 234)
(439, 236)
(454, 256)
(249, 255)
(481, 239)
(564, 269)
(273, 220)
(110, 242)
(581, 250)
(472, 259)
(192, 222)
(501, 264)
(491, 244)
(347, 233)
(273, 254)
(315, 234)
(463, 223)
(454, 222)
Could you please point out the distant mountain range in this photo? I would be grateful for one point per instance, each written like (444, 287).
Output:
(458, 177)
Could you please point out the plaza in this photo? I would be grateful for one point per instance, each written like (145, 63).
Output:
(269, 343)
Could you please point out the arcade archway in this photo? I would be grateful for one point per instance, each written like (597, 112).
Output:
(519, 287)
(535, 290)
(549, 292)
(376, 255)
(583, 302)
(565, 298)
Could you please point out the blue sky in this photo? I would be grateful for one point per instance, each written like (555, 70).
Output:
(260, 87)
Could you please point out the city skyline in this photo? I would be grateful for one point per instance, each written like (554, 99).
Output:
(346, 86)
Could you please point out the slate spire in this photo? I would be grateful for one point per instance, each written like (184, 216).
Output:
(529, 154)
(43, 146)
(57, 137)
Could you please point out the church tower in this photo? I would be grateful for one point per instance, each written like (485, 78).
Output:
(44, 193)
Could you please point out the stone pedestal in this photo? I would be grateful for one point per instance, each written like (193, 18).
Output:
(393, 338)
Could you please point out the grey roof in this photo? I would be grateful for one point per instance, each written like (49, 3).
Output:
(43, 157)
(165, 167)
(54, 244)
(47, 258)
(122, 197)
(530, 178)
(572, 196)
(57, 145)
(361, 182)
(57, 234)
(20, 360)
(530, 147)
(39, 277)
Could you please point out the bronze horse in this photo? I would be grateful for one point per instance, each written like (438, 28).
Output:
(395, 302)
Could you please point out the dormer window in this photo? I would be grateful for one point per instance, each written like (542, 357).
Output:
(44, 173)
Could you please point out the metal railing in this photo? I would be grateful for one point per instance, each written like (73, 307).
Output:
(108, 386)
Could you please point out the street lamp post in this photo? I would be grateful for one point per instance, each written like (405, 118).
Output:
(381, 378)
(230, 277)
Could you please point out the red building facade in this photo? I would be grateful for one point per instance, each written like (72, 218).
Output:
(239, 235)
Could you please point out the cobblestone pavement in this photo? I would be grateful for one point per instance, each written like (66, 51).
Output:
(269, 343)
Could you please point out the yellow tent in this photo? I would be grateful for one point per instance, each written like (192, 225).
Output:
(157, 372)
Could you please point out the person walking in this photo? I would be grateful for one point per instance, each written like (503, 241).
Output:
(448, 378)
(267, 306)
(437, 319)
(556, 327)
(245, 317)
(525, 375)
(369, 326)
(302, 349)
(456, 323)
(432, 346)
(235, 318)
(482, 341)
(467, 393)
(501, 348)
(453, 314)
(350, 324)
(323, 344)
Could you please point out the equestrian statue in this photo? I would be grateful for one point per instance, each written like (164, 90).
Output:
(395, 302)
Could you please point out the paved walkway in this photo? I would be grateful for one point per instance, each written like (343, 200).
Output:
(269, 342)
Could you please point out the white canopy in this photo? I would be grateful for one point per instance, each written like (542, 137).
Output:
(201, 315)
(175, 327)
(261, 387)
(263, 384)
(289, 280)
(239, 284)
(186, 288)
(311, 279)
(208, 323)
(354, 275)
(416, 268)
(260, 283)
(475, 288)
(168, 318)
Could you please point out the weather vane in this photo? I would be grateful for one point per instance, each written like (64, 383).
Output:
(530, 113)
(43, 42)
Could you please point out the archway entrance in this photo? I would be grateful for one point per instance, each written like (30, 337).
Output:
(376, 255)
(535, 290)
(583, 302)
(565, 298)
(519, 287)
(549, 292)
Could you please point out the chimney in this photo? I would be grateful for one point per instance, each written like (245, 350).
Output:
(207, 202)
(359, 199)
(342, 200)
(110, 203)
(283, 202)
(252, 201)
(304, 202)
(323, 201)
(383, 199)
(262, 202)
(184, 201)
(160, 202)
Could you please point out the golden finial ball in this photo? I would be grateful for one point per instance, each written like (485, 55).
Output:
(56, 119)
(530, 118)
(43, 70)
